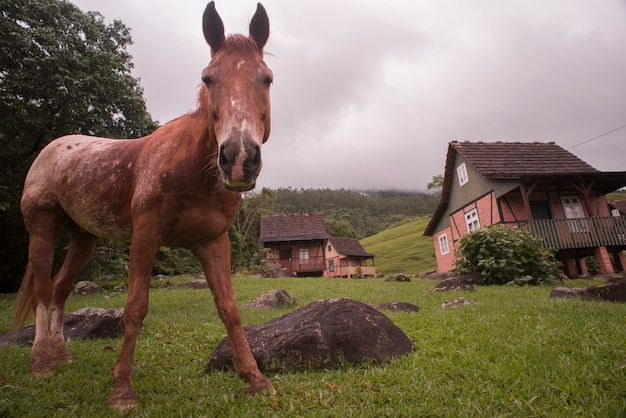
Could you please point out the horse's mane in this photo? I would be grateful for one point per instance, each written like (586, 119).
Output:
(240, 42)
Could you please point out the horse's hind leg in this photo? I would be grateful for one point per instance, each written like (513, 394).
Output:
(81, 246)
(44, 228)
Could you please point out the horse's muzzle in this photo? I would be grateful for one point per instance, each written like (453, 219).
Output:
(240, 164)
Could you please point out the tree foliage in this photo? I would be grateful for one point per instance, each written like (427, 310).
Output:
(62, 71)
(505, 255)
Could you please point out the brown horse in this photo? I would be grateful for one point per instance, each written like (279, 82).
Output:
(179, 186)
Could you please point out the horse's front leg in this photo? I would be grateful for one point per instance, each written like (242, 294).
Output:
(143, 250)
(215, 259)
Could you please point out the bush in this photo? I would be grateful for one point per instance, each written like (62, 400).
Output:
(503, 256)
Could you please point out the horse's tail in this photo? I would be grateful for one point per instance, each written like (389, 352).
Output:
(23, 304)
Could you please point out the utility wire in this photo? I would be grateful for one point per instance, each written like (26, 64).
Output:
(597, 137)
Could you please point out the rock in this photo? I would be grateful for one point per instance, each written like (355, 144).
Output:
(612, 292)
(457, 302)
(277, 298)
(396, 307)
(79, 325)
(195, 284)
(435, 275)
(283, 273)
(460, 282)
(400, 277)
(567, 292)
(87, 288)
(323, 334)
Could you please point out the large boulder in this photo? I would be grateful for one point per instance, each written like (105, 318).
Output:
(79, 325)
(321, 335)
(612, 292)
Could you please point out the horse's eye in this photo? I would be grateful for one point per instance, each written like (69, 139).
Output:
(207, 80)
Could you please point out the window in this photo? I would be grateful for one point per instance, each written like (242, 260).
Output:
(461, 171)
(443, 244)
(471, 220)
(358, 262)
(615, 212)
(304, 254)
(330, 248)
(574, 213)
(331, 265)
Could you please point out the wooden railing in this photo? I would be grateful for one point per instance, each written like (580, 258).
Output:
(607, 231)
(299, 266)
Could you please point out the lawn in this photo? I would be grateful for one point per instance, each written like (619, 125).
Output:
(515, 352)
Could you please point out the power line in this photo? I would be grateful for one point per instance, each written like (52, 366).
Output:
(597, 137)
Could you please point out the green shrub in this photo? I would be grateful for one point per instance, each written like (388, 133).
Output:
(504, 255)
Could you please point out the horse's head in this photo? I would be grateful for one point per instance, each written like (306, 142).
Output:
(238, 83)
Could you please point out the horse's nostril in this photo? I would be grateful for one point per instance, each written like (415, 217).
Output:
(257, 155)
(223, 159)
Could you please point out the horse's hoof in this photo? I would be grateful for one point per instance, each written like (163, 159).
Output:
(261, 387)
(43, 366)
(42, 374)
(122, 402)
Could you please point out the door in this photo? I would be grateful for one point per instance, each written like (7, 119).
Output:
(540, 210)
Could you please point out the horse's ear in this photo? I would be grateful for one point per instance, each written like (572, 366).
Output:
(260, 27)
(213, 27)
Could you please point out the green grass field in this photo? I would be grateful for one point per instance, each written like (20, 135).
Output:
(515, 353)
(402, 249)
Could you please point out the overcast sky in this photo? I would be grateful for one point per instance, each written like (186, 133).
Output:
(367, 94)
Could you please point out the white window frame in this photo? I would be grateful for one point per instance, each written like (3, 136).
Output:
(615, 212)
(444, 248)
(461, 172)
(471, 220)
(303, 254)
(573, 209)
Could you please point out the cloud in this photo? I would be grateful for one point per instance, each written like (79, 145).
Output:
(368, 94)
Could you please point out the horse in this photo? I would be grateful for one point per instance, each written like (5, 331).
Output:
(179, 186)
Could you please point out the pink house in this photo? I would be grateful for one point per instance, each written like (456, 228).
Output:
(536, 187)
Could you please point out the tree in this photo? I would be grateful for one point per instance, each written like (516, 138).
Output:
(245, 250)
(435, 183)
(62, 71)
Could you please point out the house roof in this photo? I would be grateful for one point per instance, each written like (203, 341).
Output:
(520, 159)
(293, 227)
(524, 161)
(349, 246)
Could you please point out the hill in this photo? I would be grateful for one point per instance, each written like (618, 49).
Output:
(402, 248)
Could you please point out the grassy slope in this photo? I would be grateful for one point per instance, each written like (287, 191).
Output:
(402, 249)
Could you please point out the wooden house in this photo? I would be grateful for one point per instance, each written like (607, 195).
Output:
(295, 242)
(299, 243)
(536, 187)
(346, 257)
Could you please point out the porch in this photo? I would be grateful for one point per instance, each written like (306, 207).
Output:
(576, 238)
(295, 265)
(564, 234)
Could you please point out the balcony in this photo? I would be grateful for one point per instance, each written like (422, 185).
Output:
(563, 234)
(312, 264)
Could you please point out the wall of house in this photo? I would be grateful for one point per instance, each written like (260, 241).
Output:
(445, 262)
(348, 266)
